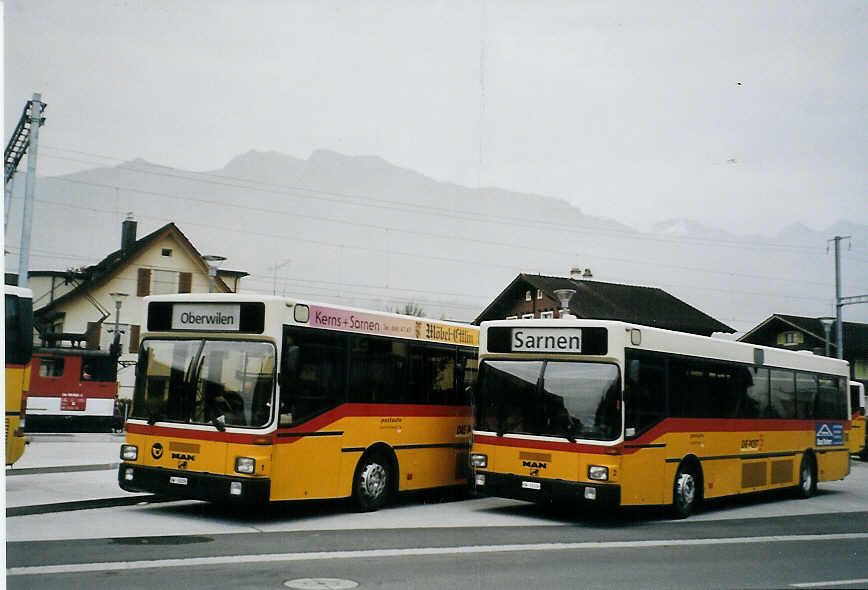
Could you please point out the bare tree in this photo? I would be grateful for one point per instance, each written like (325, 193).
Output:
(410, 308)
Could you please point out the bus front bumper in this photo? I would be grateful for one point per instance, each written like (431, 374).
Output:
(193, 486)
(534, 489)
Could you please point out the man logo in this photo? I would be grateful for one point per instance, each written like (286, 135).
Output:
(157, 451)
(533, 464)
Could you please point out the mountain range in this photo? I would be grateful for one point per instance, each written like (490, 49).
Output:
(358, 230)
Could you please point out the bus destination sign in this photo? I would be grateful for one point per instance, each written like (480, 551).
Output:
(218, 317)
(568, 340)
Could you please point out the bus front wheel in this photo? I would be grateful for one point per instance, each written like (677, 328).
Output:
(807, 478)
(686, 492)
(372, 483)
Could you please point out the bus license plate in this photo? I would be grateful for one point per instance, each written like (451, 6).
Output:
(530, 485)
(181, 481)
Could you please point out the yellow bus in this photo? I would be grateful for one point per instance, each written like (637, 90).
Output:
(857, 423)
(254, 398)
(610, 412)
(19, 345)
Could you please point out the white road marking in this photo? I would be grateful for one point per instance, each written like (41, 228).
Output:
(410, 552)
(863, 581)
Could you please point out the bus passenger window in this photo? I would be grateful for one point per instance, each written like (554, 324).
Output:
(806, 395)
(783, 394)
(752, 385)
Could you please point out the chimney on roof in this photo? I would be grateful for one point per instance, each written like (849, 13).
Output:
(128, 233)
(577, 274)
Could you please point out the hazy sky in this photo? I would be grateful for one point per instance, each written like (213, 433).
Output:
(745, 115)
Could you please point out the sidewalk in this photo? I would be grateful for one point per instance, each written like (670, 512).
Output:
(66, 471)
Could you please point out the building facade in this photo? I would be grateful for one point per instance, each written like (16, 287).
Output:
(78, 307)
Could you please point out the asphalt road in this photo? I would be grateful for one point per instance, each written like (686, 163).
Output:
(624, 549)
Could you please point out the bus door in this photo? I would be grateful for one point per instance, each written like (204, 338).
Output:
(645, 450)
(309, 443)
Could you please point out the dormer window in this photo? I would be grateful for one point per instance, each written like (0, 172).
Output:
(791, 338)
(539, 293)
(527, 296)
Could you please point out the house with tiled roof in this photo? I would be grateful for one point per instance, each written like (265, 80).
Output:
(803, 333)
(77, 306)
(533, 296)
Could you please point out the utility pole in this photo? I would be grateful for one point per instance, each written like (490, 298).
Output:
(839, 337)
(840, 302)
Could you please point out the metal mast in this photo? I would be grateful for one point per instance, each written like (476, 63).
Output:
(25, 139)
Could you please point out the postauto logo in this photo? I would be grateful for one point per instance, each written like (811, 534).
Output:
(157, 450)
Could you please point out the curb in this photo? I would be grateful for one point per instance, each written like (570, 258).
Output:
(61, 469)
(84, 505)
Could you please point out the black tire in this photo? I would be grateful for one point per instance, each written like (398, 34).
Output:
(686, 491)
(807, 477)
(372, 485)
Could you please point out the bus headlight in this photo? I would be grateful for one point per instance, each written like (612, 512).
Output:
(245, 465)
(598, 472)
(129, 452)
(479, 460)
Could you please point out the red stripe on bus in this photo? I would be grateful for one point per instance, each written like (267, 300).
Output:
(314, 425)
(216, 436)
(500, 441)
(670, 426)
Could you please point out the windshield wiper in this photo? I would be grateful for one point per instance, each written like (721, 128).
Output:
(154, 418)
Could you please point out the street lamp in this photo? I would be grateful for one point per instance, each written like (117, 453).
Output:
(115, 349)
(827, 326)
(564, 296)
(213, 264)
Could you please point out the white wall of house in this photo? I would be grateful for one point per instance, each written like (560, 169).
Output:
(42, 286)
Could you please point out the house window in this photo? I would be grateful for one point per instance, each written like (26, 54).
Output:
(791, 338)
(164, 282)
(539, 293)
(527, 296)
(547, 315)
(527, 316)
(167, 252)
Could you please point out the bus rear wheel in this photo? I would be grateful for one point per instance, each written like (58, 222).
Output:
(807, 478)
(373, 483)
(686, 492)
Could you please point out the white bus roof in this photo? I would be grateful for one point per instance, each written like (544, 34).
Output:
(18, 291)
(682, 343)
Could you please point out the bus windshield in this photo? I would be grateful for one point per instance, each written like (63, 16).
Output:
(217, 382)
(574, 400)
